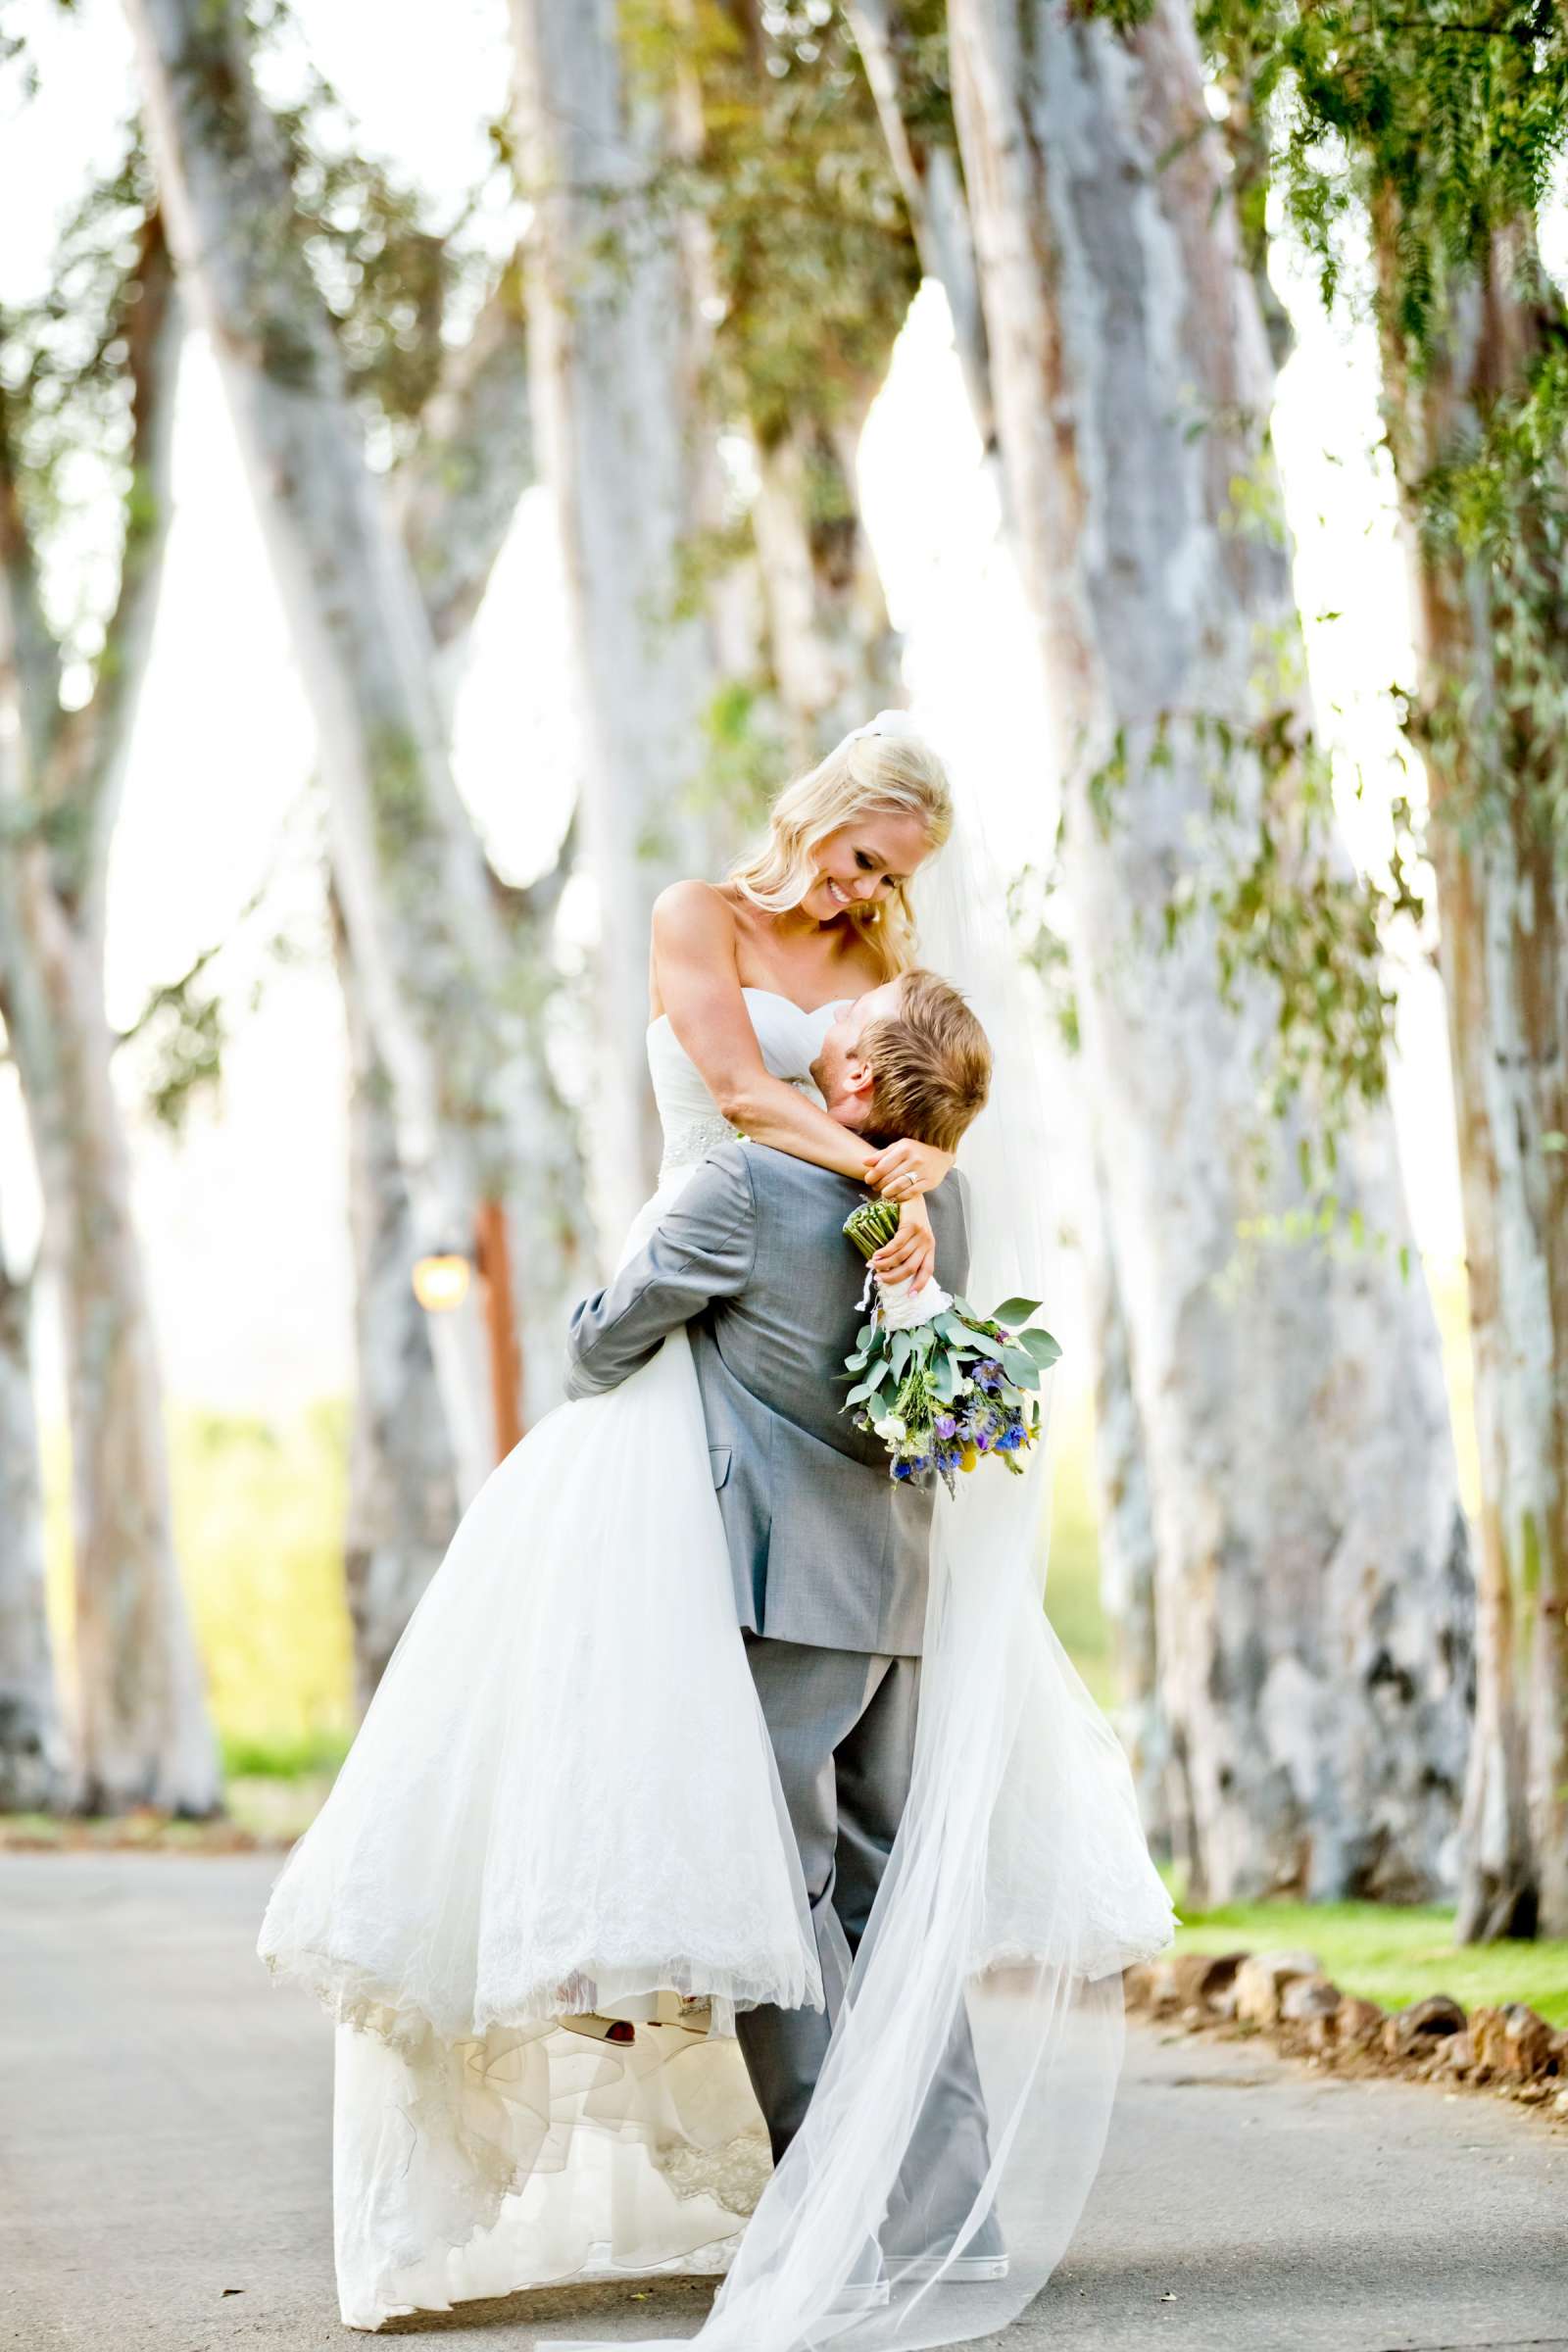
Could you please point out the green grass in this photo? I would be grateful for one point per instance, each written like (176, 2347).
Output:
(1389, 1954)
(1072, 1577)
(258, 1522)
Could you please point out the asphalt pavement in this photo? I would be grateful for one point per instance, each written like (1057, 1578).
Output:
(166, 2175)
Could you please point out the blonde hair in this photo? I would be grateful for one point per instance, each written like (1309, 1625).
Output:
(896, 772)
(930, 1066)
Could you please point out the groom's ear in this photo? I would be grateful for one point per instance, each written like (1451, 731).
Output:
(858, 1081)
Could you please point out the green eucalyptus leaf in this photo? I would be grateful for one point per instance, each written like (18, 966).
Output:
(1013, 1312)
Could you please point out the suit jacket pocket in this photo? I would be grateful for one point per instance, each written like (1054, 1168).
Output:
(719, 1463)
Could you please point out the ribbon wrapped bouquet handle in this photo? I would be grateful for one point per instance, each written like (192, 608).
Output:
(942, 1386)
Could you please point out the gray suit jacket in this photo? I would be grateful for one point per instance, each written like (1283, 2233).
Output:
(825, 1548)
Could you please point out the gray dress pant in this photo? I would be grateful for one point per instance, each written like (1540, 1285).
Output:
(842, 1726)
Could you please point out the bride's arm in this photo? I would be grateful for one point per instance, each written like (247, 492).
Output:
(698, 981)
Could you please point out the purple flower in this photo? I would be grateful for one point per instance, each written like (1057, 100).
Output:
(947, 1426)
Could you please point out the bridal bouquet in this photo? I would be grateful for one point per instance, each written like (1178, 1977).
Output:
(940, 1384)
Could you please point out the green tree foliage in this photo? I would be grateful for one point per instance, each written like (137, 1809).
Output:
(393, 276)
(1443, 128)
(1434, 127)
(811, 255)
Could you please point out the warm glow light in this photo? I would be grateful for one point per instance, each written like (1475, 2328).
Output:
(441, 1282)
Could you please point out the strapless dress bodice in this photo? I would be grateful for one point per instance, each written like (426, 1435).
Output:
(790, 1041)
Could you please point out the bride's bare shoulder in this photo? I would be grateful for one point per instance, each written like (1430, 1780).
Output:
(694, 914)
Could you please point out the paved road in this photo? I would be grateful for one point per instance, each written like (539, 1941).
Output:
(164, 2118)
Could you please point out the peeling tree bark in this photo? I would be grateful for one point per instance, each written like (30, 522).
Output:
(931, 177)
(34, 1755)
(403, 1496)
(1502, 900)
(1313, 1600)
(1129, 1554)
(457, 497)
(143, 1736)
(614, 402)
(427, 936)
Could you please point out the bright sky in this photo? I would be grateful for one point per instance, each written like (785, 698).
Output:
(244, 1218)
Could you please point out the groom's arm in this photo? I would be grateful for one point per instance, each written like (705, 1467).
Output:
(703, 1248)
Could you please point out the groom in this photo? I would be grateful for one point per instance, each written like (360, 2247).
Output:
(828, 1554)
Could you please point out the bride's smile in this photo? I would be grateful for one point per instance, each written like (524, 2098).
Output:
(862, 864)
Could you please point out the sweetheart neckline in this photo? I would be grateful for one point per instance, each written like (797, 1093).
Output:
(748, 990)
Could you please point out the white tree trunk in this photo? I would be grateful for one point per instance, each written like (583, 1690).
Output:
(614, 400)
(142, 1729)
(1502, 900)
(142, 1733)
(34, 1759)
(932, 181)
(427, 938)
(835, 655)
(1313, 1603)
(1503, 953)
(1129, 1554)
(403, 1498)
(458, 494)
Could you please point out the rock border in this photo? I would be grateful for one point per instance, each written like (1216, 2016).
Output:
(1511, 2052)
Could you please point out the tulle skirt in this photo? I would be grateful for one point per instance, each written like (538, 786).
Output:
(562, 1796)
(562, 1800)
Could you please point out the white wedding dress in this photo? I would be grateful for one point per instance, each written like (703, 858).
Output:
(561, 1799)
(575, 1661)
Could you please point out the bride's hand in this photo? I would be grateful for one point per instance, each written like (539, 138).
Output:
(911, 1255)
(906, 1169)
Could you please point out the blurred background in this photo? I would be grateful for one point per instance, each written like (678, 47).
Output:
(450, 478)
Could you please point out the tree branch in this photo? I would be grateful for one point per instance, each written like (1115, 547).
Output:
(460, 488)
(27, 647)
(86, 771)
(527, 910)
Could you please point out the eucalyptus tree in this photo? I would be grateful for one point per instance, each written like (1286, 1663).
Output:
(454, 1021)
(1312, 1601)
(719, 261)
(612, 355)
(34, 1754)
(1438, 136)
(456, 490)
(906, 55)
(90, 371)
(456, 418)
(806, 265)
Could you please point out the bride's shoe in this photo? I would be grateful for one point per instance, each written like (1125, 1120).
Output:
(594, 2028)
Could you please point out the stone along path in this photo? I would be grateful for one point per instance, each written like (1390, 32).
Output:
(164, 2169)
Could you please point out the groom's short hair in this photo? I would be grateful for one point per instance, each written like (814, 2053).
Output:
(930, 1064)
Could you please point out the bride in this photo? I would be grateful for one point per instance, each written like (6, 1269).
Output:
(556, 1858)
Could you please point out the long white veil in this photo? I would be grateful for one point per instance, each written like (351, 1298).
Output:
(1020, 1883)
